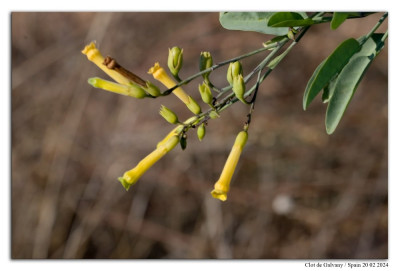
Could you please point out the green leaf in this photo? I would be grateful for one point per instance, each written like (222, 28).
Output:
(252, 21)
(338, 18)
(359, 14)
(289, 19)
(348, 79)
(332, 65)
(328, 90)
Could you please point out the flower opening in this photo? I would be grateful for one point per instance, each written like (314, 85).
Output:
(94, 55)
(221, 187)
(132, 176)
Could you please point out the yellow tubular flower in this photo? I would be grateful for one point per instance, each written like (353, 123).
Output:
(160, 75)
(130, 177)
(175, 131)
(132, 90)
(94, 55)
(221, 187)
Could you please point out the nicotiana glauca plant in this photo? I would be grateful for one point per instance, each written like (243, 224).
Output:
(337, 77)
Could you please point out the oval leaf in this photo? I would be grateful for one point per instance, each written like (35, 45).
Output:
(347, 81)
(332, 65)
(328, 90)
(289, 19)
(345, 87)
(338, 18)
(250, 21)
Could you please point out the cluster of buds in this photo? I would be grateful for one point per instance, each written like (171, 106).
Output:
(236, 80)
(129, 84)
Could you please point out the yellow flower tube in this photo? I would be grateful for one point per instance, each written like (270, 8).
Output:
(176, 131)
(94, 55)
(159, 74)
(130, 177)
(221, 187)
(132, 90)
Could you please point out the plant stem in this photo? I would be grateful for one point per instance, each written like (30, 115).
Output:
(384, 36)
(231, 99)
(259, 67)
(381, 20)
(216, 66)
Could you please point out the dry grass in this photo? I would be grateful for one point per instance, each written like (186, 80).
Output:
(70, 142)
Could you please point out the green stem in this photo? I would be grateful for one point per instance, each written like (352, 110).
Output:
(216, 66)
(259, 67)
(384, 37)
(378, 24)
(231, 99)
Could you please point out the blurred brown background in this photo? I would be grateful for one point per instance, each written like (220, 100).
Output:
(297, 192)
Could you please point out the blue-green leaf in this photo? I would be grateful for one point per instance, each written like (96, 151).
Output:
(328, 90)
(331, 66)
(338, 18)
(348, 79)
(289, 19)
(252, 21)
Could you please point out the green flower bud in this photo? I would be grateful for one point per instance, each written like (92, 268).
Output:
(234, 69)
(193, 106)
(206, 62)
(201, 131)
(183, 141)
(205, 93)
(290, 34)
(175, 60)
(136, 91)
(168, 115)
(239, 87)
(152, 89)
(213, 114)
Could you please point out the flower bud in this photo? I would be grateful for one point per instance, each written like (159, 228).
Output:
(205, 62)
(168, 115)
(128, 90)
(136, 91)
(239, 88)
(175, 60)
(205, 93)
(201, 131)
(234, 69)
(213, 114)
(152, 89)
(193, 106)
(290, 34)
(183, 141)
